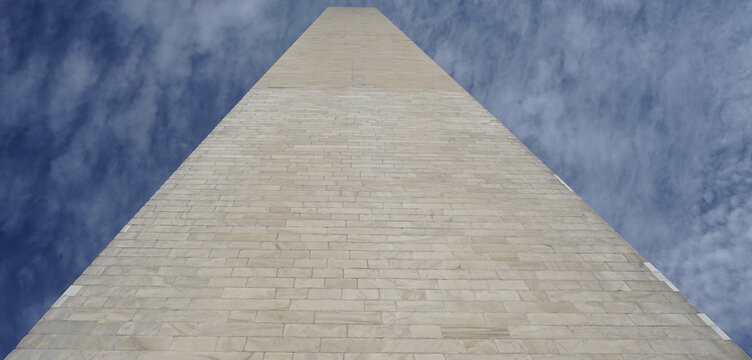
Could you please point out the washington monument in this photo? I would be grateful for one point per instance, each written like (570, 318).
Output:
(358, 203)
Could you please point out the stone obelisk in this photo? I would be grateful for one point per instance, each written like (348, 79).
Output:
(357, 203)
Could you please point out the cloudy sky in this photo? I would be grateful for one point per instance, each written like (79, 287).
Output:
(643, 107)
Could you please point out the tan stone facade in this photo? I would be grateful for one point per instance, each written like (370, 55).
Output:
(358, 204)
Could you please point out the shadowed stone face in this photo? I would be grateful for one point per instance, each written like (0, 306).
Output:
(358, 204)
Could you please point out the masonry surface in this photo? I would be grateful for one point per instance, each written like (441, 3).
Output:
(357, 203)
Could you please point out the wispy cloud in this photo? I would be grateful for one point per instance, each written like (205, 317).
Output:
(643, 107)
(101, 102)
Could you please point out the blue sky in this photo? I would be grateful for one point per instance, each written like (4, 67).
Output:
(643, 107)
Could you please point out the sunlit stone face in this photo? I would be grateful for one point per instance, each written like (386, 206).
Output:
(358, 204)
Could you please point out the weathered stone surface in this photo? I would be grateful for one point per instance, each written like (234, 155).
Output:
(358, 204)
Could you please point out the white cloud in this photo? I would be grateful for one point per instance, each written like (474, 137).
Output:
(644, 108)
